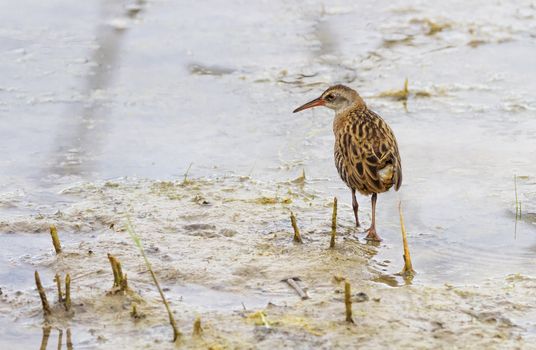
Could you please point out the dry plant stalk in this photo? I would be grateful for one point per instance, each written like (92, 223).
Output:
(348, 301)
(55, 239)
(333, 224)
(134, 311)
(399, 95)
(407, 271)
(297, 236)
(198, 330)
(176, 333)
(42, 295)
(120, 279)
(67, 302)
(58, 285)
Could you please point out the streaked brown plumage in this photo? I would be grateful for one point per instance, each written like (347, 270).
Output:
(366, 152)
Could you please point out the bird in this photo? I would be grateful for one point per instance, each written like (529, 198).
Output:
(366, 150)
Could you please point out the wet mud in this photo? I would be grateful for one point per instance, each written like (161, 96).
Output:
(102, 117)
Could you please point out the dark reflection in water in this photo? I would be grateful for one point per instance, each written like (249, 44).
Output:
(82, 129)
(44, 340)
(46, 335)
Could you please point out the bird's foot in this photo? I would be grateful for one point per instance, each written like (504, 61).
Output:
(372, 235)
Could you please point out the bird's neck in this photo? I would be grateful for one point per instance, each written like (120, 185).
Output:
(356, 104)
(347, 114)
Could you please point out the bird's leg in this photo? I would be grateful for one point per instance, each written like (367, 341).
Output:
(355, 205)
(372, 235)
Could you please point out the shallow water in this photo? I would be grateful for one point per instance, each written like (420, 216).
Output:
(144, 89)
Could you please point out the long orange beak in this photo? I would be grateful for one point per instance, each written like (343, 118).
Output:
(316, 102)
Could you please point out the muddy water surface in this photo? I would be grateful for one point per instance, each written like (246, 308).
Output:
(105, 90)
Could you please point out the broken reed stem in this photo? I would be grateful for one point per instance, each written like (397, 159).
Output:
(58, 285)
(55, 239)
(197, 327)
(67, 303)
(120, 280)
(42, 295)
(348, 301)
(134, 311)
(297, 236)
(407, 271)
(333, 224)
(113, 263)
(137, 241)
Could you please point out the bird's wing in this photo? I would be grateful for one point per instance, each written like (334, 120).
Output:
(375, 155)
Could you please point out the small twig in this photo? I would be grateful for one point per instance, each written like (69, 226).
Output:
(333, 224)
(297, 236)
(42, 295)
(58, 285)
(348, 301)
(67, 292)
(407, 271)
(293, 283)
(55, 239)
(198, 330)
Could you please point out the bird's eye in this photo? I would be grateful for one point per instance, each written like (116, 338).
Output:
(330, 97)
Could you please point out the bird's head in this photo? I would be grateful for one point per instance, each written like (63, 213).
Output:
(337, 97)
